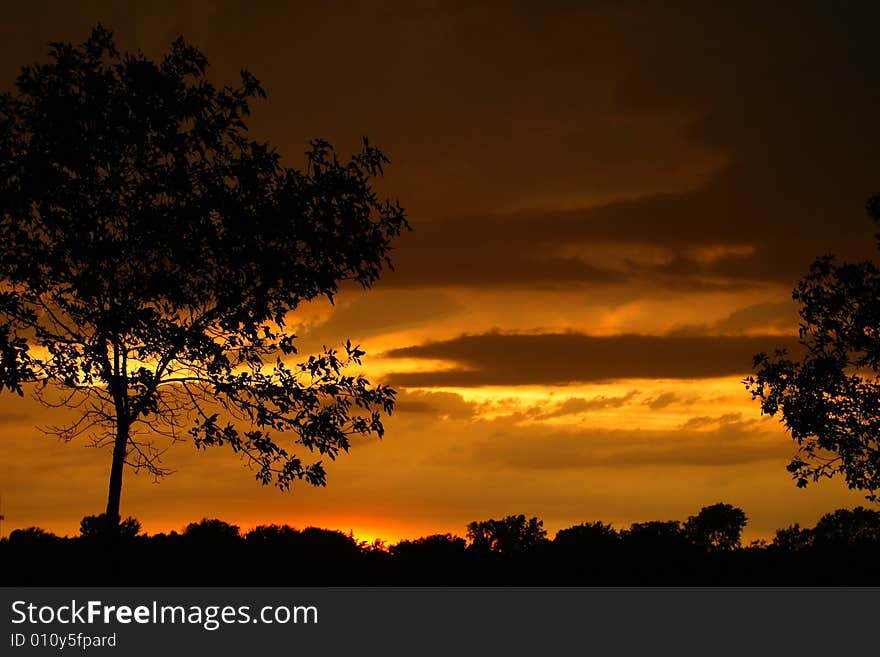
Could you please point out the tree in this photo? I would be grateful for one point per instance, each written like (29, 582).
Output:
(859, 526)
(793, 538)
(271, 535)
(587, 536)
(150, 253)
(32, 537)
(508, 536)
(96, 527)
(829, 397)
(716, 527)
(655, 535)
(434, 549)
(211, 530)
(323, 547)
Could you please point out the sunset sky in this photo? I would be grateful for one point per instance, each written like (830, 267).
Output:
(611, 203)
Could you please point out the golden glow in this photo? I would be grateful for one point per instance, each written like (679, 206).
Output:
(560, 176)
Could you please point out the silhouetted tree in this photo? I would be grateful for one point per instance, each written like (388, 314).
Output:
(829, 397)
(101, 526)
(327, 546)
(272, 543)
(211, 531)
(655, 535)
(793, 538)
(150, 252)
(859, 526)
(433, 548)
(31, 536)
(436, 559)
(716, 527)
(273, 535)
(508, 536)
(587, 536)
(841, 550)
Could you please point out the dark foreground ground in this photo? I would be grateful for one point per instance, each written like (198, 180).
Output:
(212, 553)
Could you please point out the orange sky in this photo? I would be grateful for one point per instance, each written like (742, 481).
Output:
(611, 204)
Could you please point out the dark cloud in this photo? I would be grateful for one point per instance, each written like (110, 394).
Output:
(518, 128)
(794, 124)
(433, 405)
(453, 253)
(562, 358)
(767, 244)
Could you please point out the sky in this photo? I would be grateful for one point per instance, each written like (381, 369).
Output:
(611, 204)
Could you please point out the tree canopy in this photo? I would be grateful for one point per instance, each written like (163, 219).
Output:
(716, 527)
(655, 534)
(828, 396)
(848, 527)
(151, 251)
(509, 536)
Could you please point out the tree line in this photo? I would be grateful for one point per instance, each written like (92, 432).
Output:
(151, 252)
(842, 548)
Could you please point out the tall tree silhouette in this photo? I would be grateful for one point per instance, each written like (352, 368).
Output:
(150, 252)
(829, 398)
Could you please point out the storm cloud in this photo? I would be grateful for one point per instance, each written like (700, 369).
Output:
(564, 358)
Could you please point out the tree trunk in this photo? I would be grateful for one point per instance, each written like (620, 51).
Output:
(115, 493)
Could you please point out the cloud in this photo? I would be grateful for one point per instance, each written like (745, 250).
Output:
(21, 412)
(453, 253)
(757, 244)
(705, 130)
(563, 358)
(702, 421)
(661, 401)
(535, 148)
(433, 405)
(577, 405)
(788, 128)
(729, 442)
(779, 317)
(9, 417)
(359, 315)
